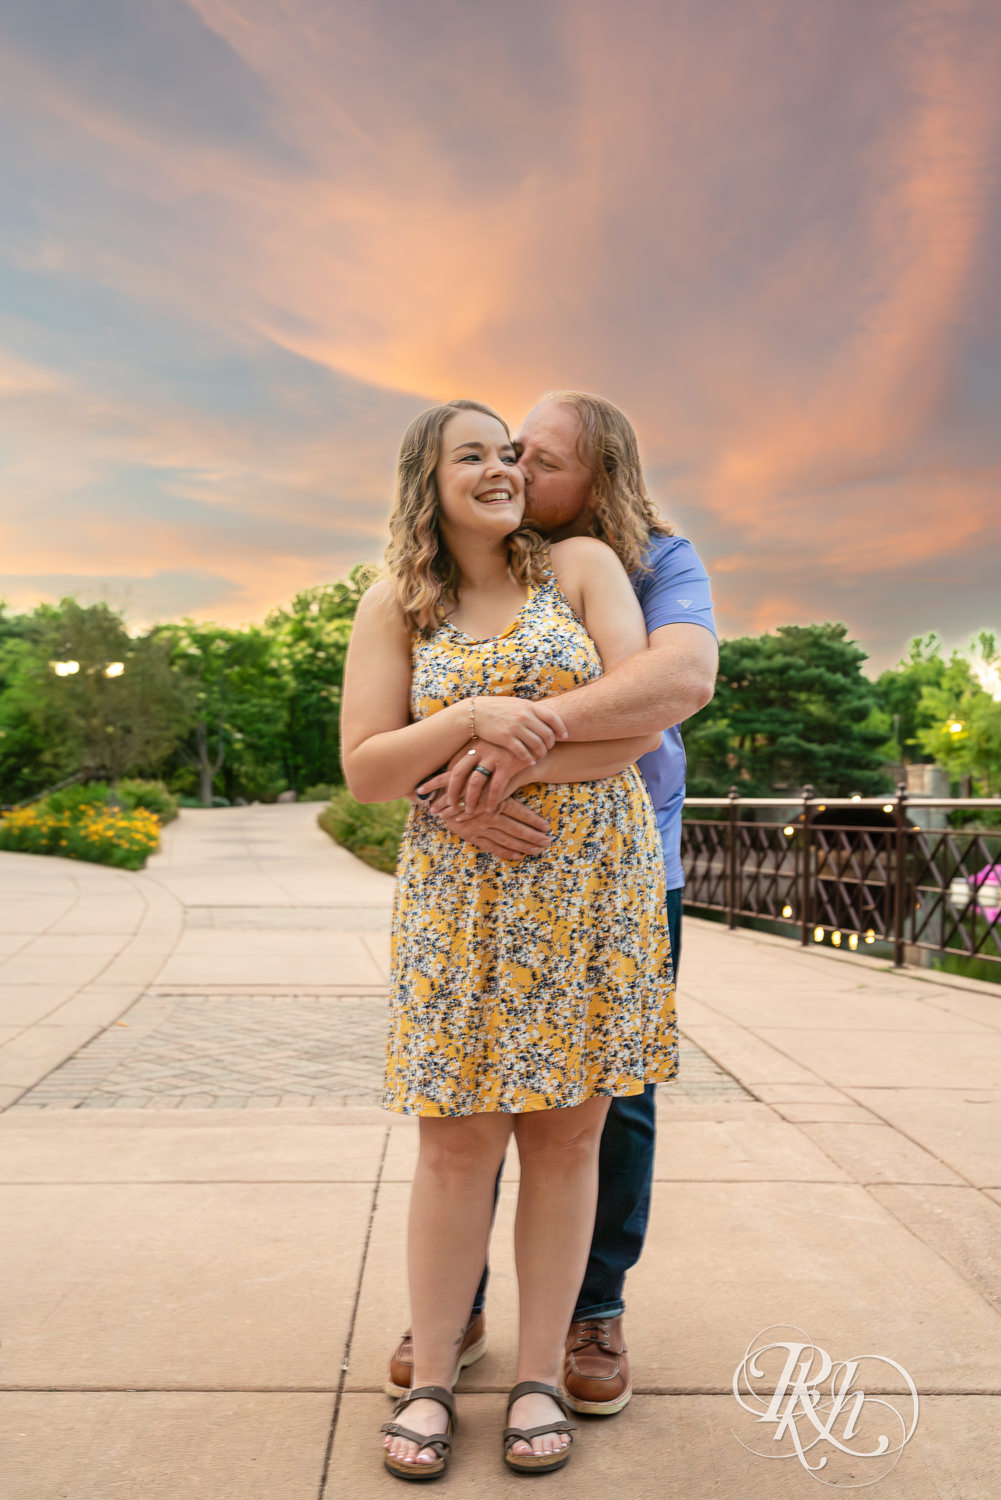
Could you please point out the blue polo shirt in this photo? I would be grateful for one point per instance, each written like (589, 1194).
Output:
(674, 592)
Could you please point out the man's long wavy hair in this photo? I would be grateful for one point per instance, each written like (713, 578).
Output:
(624, 515)
(417, 559)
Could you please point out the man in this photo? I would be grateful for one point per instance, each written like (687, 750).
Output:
(583, 477)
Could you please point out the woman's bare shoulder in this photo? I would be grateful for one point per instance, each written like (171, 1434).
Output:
(579, 558)
(379, 607)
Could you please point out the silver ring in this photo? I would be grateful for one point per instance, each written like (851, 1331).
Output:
(483, 770)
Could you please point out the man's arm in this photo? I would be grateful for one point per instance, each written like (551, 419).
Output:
(650, 691)
(653, 689)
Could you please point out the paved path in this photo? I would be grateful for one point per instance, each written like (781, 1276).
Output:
(204, 1268)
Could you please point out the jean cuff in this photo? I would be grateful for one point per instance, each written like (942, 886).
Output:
(599, 1310)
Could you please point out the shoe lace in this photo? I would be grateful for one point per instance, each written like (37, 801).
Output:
(594, 1331)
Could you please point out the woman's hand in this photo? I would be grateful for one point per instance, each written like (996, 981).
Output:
(465, 789)
(513, 831)
(527, 730)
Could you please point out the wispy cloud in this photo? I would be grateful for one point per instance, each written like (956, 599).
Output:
(245, 242)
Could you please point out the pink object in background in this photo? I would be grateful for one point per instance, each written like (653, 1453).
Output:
(987, 884)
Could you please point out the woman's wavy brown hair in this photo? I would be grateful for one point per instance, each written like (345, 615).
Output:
(417, 559)
(624, 515)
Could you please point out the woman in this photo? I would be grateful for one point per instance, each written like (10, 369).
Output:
(524, 994)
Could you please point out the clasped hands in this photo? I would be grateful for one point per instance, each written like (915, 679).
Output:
(512, 735)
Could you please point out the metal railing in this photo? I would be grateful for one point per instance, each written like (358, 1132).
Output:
(921, 889)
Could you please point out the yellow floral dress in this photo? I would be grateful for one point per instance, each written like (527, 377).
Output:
(539, 982)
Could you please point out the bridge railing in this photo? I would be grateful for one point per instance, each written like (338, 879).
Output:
(852, 871)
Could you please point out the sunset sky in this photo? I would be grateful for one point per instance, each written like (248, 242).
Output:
(243, 242)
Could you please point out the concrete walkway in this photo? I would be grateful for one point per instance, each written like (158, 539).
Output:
(199, 1298)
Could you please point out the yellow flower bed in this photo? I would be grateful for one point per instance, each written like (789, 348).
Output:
(92, 831)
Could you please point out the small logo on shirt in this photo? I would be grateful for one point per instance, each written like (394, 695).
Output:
(686, 603)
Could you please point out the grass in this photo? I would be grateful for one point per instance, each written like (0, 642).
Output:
(371, 830)
(970, 968)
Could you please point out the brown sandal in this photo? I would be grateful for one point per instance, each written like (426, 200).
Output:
(536, 1463)
(438, 1442)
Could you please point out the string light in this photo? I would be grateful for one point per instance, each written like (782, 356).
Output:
(788, 830)
(836, 939)
(787, 911)
(818, 934)
(853, 941)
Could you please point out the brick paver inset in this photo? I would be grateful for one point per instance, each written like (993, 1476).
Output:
(215, 1051)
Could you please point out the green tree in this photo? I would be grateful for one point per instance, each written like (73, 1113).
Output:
(900, 691)
(240, 695)
(791, 707)
(114, 707)
(27, 763)
(311, 641)
(962, 720)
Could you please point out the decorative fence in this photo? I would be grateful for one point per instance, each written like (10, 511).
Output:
(850, 870)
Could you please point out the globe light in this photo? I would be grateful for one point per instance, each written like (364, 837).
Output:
(787, 911)
(887, 806)
(788, 830)
(989, 894)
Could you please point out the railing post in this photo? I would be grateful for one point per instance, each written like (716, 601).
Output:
(731, 855)
(805, 893)
(899, 874)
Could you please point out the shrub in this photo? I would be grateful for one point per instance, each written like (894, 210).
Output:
(70, 798)
(321, 793)
(152, 795)
(372, 831)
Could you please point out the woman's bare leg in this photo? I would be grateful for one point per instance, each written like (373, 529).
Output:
(556, 1204)
(451, 1207)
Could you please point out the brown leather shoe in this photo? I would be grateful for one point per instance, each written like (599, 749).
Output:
(596, 1367)
(401, 1366)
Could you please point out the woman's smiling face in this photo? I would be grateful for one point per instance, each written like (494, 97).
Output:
(481, 490)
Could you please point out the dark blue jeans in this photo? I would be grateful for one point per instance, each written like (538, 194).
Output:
(625, 1177)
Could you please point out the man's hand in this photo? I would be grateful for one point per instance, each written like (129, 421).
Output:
(463, 783)
(510, 833)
